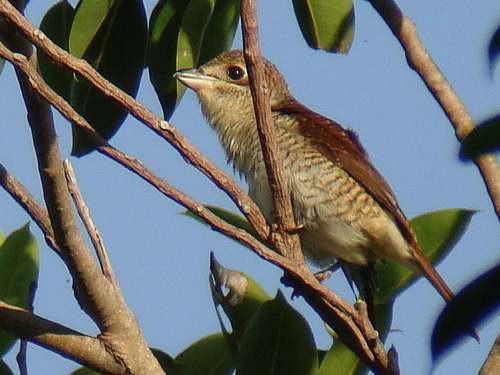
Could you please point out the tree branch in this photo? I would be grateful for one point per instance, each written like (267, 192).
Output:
(161, 127)
(96, 295)
(287, 243)
(491, 365)
(69, 343)
(419, 59)
(93, 232)
(34, 209)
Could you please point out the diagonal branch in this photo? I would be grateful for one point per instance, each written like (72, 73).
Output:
(419, 59)
(35, 210)
(164, 129)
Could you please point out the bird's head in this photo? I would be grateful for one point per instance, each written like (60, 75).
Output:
(223, 88)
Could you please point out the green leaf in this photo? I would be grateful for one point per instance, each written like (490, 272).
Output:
(485, 138)
(18, 270)
(494, 49)
(243, 299)
(184, 34)
(56, 24)
(220, 31)
(437, 232)
(88, 19)
(112, 36)
(166, 362)
(471, 306)
(278, 341)
(188, 22)
(209, 356)
(340, 360)
(229, 217)
(326, 24)
(4, 369)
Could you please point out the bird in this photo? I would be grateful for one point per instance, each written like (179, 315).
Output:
(345, 209)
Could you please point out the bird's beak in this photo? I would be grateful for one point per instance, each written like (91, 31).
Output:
(194, 79)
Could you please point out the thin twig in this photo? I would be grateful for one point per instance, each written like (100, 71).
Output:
(287, 243)
(34, 209)
(93, 232)
(419, 59)
(23, 347)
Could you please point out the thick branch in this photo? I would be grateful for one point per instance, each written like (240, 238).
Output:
(71, 344)
(418, 58)
(491, 365)
(96, 295)
(287, 243)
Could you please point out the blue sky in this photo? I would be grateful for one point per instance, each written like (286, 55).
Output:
(161, 258)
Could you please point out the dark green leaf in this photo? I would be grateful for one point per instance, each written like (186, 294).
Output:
(472, 305)
(85, 371)
(242, 300)
(165, 24)
(485, 138)
(188, 23)
(208, 356)
(183, 35)
(437, 232)
(494, 49)
(219, 34)
(56, 24)
(112, 36)
(4, 369)
(18, 270)
(326, 24)
(278, 341)
(166, 362)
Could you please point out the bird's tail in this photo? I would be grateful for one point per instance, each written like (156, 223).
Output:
(365, 280)
(425, 267)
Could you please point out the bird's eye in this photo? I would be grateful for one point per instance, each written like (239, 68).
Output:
(235, 72)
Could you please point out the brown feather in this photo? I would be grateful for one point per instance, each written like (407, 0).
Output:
(343, 148)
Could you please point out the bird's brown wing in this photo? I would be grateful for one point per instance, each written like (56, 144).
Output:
(344, 149)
